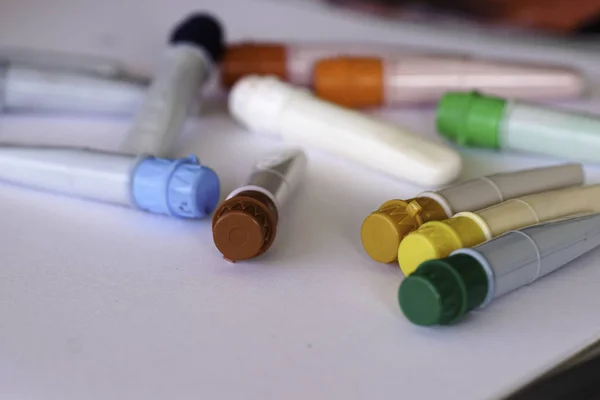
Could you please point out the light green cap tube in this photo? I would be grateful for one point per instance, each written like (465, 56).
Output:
(470, 119)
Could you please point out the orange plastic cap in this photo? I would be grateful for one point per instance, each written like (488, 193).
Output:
(350, 81)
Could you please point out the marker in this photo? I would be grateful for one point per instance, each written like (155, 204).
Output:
(268, 106)
(376, 82)
(382, 231)
(245, 224)
(442, 292)
(180, 188)
(289, 62)
(437, 239)
(46, 82)
(474, 120)
(196, 45)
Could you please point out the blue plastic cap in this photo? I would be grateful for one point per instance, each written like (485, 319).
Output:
(180, 188)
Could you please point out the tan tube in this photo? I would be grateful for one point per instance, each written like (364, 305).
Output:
(536, 208)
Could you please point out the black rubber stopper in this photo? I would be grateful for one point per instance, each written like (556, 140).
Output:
(202, 30)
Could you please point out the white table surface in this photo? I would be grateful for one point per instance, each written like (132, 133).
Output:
(102, 302)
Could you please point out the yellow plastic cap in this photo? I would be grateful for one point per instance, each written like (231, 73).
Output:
(437, 239)
(382, 231)
(433, 240)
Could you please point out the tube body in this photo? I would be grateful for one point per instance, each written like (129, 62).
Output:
(536, 129)
(35, 89)
(424, 79)
(518, 258)
(100, 176)
(180, 188)
(267, 105)
(170, 98)
(485, 191)
(437, 239)
(383, 229)
(245, 224)
(276, 176)
(69, 62)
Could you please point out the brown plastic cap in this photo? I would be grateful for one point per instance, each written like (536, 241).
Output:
(253, 59)
(350, 81)
(245, 226)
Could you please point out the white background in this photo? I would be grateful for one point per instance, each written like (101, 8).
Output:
(102, 302)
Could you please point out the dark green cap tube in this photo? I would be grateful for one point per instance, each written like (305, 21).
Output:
(470, 119)
(441, 292)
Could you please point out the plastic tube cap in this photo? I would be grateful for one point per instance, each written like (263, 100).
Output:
(244, 226)
(470, 119)
(350, 81)
(441, 292)
(433, 240)
(181, 188)
(382, 230)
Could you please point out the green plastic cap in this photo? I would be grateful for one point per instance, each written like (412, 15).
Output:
(470, 119)
(441, 292)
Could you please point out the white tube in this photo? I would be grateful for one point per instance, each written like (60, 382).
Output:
(534, 129)
(69, 62)
(269, 106)
(94, 175)
(27, 88)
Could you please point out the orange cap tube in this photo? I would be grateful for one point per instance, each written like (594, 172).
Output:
(358, 81)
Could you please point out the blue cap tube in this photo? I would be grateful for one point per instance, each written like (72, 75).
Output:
(180, 188)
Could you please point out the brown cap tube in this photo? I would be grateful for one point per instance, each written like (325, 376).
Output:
(245, 226)
(253, 59)
(350, 81)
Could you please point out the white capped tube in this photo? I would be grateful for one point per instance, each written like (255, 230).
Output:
(267, 105)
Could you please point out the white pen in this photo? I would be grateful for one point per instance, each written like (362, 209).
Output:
(45, 82)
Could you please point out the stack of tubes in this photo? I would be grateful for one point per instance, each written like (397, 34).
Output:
(459, 247)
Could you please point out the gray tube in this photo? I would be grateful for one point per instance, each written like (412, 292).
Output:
(485, 191)
(518, 258)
